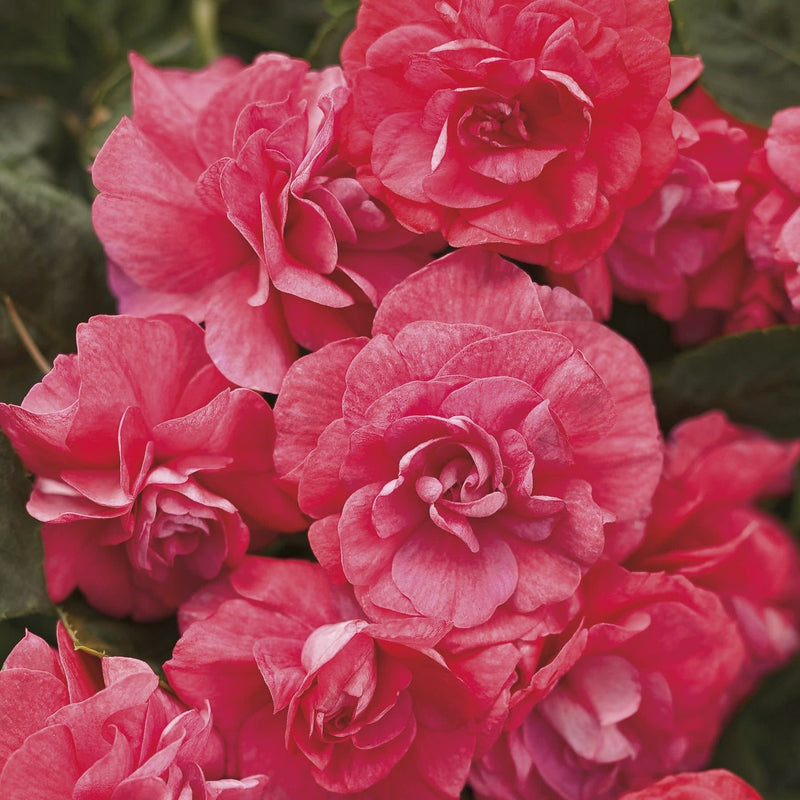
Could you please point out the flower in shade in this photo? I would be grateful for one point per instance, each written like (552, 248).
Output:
(646, 696)
(714, 784)
(706, 525)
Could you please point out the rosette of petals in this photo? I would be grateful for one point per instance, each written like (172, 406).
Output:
(527, 126)
(773, 230)
(479, 452)
(706, 526)
(224, 199)
(714, 784)
(682, 250)
(646, 697)
(148, 480)
(324, 702)
(74, 726)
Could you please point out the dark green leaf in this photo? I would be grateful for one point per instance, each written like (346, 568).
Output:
(248, 27)
(35, 145)
(754, 377)
(22, 587)
(33, 34)
(751, 49)
(762, 741)
(52, 268)
(100, 635)
(338, 7)
(324, 50)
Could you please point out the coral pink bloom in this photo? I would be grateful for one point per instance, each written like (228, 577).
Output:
(224, 199)
(683, 249)
(78, 727)
(528, 126)
(773, 231)
(646, 696)
(706, 526)
(714, 784)
(326, 703)
(149, 468)
(480, 451)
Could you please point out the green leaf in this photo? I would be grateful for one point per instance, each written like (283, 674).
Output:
(754, 377)
(33, 34)
(100, 635)
(751, 51)
(35, 144)
(248, 27)
(52, 268)
(22, 586)
(762, 741)
(324, 49)
(338, 7)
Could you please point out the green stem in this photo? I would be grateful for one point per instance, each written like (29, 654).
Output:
(205, 21)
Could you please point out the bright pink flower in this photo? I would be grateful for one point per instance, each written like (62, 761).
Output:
(224, 199)
(646, 697)
(682, 250)
(707, 527)
(324, 702)
(74, 726)
(773, 230)
(478, 453)
(149, 467)
(528, 125)
(714, 784)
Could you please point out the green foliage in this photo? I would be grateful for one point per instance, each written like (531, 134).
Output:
(22, 588)
(754, 377)
(762, 742)
(100, 635)
(51, 266)
(751, 50)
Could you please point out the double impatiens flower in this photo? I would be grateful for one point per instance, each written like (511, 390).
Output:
(519, 585)
(493, 596)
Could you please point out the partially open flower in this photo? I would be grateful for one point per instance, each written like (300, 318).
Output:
(151, 472)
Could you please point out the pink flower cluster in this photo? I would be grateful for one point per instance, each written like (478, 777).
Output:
(516, 583)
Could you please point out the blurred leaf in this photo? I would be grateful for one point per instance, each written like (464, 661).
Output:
(33, 34)
(650, 333)
(324, 49)
(100, 635)
(751, 49)
(248, 27)
(52, 267)
(22, 586)
(762, 741)
(338, 7)
(13, 630)
(35, 144)
(754, 377)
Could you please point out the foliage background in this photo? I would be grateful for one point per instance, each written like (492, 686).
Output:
(65, 83)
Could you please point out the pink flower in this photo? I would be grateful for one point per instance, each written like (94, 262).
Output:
(706, 526)
(324, 702)
(478, 453)
(149, 467)
(78, 727)
(224, 199)
(714, 784)
(773, 230)
(527, 125)
(682, 250)
(646, 696)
